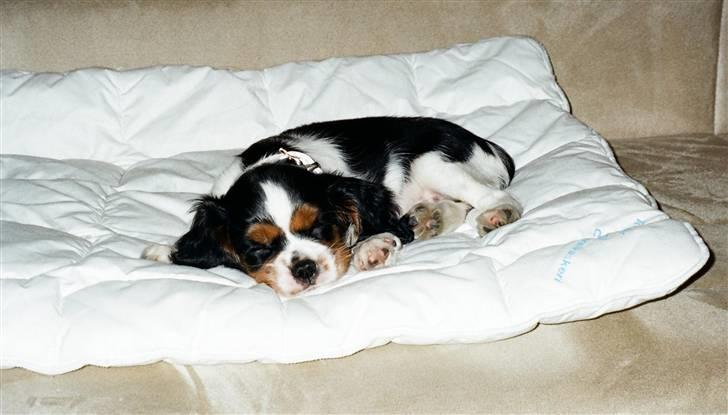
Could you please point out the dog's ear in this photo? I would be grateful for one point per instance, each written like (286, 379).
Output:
(207, 243)
(343, 194)
(366, 208)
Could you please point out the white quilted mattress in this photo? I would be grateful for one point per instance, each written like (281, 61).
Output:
(96, 164)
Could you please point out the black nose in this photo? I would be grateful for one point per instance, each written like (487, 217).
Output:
(304, 270)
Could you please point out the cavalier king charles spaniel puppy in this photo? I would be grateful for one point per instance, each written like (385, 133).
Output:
(296, 210)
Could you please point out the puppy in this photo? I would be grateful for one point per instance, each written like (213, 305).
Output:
(297, 209)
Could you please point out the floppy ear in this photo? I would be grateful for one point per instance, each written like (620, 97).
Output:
(207, 243)
(348, 216)
(344, 193)
(367, 209)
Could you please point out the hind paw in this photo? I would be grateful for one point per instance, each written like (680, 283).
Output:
(497, 217)
(432, 219)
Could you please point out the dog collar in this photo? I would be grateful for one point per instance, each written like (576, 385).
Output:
(300, 159)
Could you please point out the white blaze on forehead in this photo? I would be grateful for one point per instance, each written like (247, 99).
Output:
(278, 205)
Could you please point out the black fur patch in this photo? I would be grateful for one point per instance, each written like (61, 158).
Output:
(204, 245)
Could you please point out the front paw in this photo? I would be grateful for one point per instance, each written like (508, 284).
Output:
(376, 251)
(159, 253)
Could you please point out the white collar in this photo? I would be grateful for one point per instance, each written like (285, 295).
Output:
(299, 158)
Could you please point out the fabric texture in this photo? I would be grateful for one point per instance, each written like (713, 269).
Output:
(666, 356)
(75, 292)
(630, 68)
(721, 87)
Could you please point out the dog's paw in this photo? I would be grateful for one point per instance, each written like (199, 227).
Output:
(159, 253)
(376, 251)
(426, 220)
(432, 219)
(496, 217)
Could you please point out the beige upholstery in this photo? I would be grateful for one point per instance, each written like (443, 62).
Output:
(721, 87)
(632, 69)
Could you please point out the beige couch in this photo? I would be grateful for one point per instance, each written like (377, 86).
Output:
(651, 76)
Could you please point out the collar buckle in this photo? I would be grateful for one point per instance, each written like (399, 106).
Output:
(301, 159)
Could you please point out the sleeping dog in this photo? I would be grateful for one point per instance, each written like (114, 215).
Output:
(297, 209)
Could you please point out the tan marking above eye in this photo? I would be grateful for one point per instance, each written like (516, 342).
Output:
(304, 218)
(264, 233)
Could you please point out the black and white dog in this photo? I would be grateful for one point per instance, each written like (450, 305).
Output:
(297, 209)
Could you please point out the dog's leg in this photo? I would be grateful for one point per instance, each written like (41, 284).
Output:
(376, 251)
(492, 208)
(475, 183)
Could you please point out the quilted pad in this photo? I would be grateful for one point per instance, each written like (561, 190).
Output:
(98, 163)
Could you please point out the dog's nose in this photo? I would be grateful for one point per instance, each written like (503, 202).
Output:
(304, 270)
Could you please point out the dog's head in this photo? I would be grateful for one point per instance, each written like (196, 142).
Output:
(285, 226)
